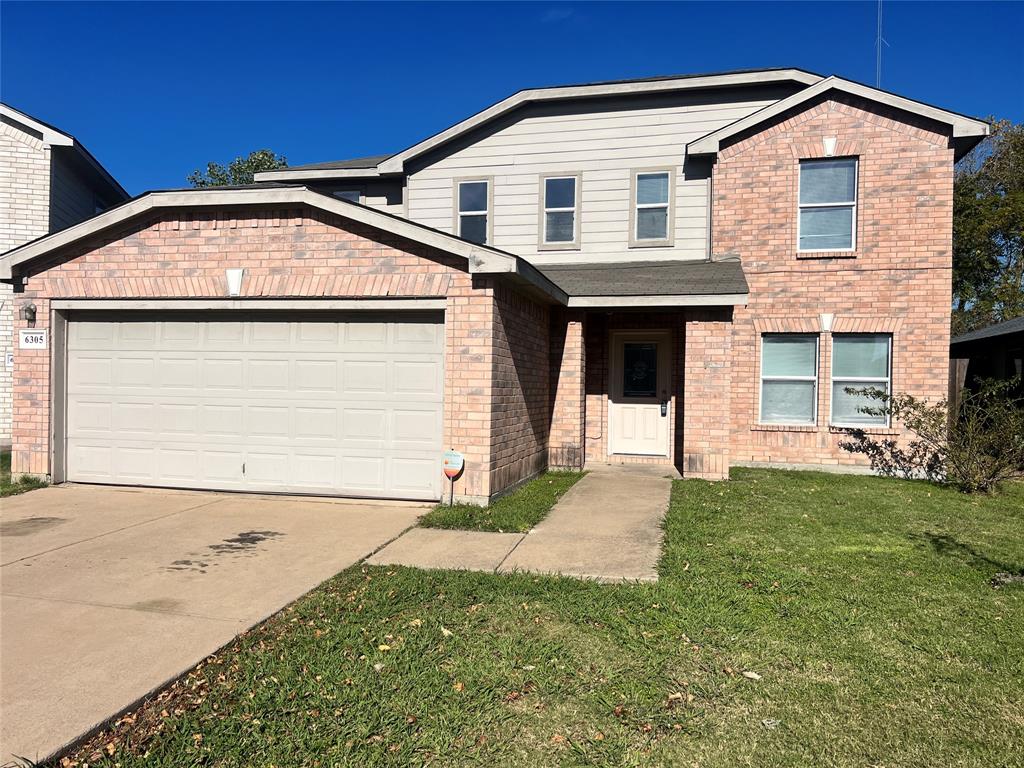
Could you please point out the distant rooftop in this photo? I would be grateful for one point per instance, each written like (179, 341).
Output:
(999, 329)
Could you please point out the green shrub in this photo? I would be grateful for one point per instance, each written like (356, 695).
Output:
(973, 450)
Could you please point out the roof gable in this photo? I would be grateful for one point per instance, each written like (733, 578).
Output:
(396, 164)
(965, 131)
(480, 258)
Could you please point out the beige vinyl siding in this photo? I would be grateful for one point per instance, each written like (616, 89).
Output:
(72, 199)
(603, 141)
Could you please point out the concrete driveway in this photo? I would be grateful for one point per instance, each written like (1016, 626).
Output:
(109, 593)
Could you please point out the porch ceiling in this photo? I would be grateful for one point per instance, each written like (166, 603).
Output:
(651, 283)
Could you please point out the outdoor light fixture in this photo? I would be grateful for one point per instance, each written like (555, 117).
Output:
(28, 314)
(234, 281)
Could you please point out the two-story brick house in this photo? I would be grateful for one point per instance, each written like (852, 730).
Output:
(681, 270)
(48, 181)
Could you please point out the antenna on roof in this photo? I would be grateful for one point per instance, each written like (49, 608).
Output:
(879, 40)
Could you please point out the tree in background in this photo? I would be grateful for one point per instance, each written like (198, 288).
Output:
(988, 230)
(239, 171)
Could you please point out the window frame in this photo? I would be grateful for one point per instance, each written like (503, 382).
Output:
(489, 212)
(669, 239)
(559, 245)
(358, 191)
(853, 205)
(815, 379)
(864, 381)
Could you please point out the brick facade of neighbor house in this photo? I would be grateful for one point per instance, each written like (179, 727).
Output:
(896, 281)
(305, 254)
(24, 216)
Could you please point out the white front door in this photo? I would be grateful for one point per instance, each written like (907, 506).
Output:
(639, 407)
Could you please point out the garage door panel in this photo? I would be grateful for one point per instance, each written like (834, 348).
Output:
(91, 373)
(363, 474)
(269, 376)
(181, 465)
(412, 475)
(338, 407)
(135, 420)
(85, 417)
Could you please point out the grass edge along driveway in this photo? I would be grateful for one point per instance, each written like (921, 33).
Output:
(11, 487)
(515, 512)
(801, 619)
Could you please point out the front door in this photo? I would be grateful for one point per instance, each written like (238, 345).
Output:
(639, 407)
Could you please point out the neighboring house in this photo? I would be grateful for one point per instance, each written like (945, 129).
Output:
(678, 270)
(995, 352)
(48, 181)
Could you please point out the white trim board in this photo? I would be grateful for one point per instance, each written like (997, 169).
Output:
(685, 300)
(250, 304)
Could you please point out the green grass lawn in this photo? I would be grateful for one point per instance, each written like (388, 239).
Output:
(10, 487)
(860, 609)
(518, 512)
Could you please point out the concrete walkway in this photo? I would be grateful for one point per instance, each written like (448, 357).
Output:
(607, 527)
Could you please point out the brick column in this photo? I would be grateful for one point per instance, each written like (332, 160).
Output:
(568, 391)
(707, 397)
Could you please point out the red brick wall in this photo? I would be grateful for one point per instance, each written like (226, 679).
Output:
(568, 393)
(288, 253)
(708, 384)
(897, 280)
(520, 418)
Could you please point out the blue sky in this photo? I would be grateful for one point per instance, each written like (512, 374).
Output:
(155, 90)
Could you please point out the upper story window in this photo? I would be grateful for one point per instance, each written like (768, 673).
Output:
(859, 361)
(560, 204)
(652, 208)
(828, 204)
(352, 195)
(473, 198)
(789, 378)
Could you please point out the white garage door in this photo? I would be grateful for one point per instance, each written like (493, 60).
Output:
(347, 405)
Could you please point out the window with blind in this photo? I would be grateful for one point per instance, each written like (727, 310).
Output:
(859, 361)
(828, 205)
(789, 379)
(652, 210)
(560, 203)
(473, 210)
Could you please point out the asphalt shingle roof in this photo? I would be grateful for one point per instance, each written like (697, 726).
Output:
(355, 163)
(999, 329)
(648, 278)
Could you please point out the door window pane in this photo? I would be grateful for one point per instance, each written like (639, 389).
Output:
(640, 370)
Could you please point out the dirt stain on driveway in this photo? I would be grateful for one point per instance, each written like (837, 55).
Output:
(244, 544)
(29, 525)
